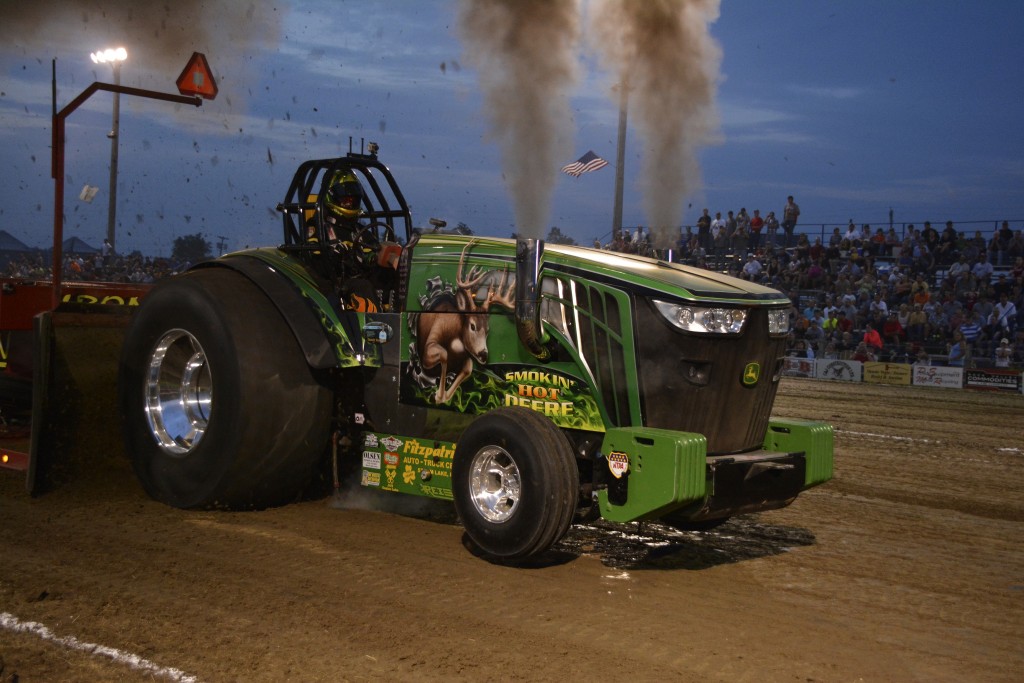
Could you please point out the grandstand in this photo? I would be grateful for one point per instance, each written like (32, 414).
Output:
(956, 275)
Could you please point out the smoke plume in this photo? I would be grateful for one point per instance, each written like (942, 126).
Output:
(525, 53)
(663, 51)
(159, 36)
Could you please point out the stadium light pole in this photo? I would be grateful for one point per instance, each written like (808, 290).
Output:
(114, 57)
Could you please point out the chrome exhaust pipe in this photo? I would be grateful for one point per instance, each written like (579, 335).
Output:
(529, 253)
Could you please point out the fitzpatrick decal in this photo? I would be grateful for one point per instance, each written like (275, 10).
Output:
(409, 465)
(751, 374)
(618, 463)
(435, 452)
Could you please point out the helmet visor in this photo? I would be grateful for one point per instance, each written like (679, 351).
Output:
(347, 195)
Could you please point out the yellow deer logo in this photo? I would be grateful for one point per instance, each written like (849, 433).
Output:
(751, 373)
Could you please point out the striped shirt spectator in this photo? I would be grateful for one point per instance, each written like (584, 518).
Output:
(971, 329)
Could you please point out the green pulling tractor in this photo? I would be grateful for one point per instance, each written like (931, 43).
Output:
(530, 385)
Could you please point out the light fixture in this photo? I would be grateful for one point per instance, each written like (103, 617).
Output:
(110, 55)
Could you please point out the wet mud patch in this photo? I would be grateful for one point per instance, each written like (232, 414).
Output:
(650, 545)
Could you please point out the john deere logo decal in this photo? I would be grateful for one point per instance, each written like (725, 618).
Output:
(751, 374)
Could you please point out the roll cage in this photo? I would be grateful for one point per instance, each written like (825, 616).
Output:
(383, 209)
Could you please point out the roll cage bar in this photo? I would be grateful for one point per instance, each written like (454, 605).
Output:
(383, 204)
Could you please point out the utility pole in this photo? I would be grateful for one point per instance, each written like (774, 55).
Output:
(620, 161)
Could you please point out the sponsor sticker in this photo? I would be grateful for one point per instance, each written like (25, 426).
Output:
(370, 440)
(391, 460)
(618, 464)
(391, 443)
(371, 478)
(371, 460)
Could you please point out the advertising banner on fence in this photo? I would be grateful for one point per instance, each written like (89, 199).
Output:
(887, 373)
(841, 370)
(935, 376)
(799, 367)
(993, 380)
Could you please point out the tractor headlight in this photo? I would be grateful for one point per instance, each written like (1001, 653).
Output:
(778, 321)
(701, 319)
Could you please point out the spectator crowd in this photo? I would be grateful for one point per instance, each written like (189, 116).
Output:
(924, 296)
(95, 267)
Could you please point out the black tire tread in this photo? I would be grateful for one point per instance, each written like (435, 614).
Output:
(555, 471)
(260, 452)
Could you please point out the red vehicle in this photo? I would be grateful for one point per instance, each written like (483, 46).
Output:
(86, 311)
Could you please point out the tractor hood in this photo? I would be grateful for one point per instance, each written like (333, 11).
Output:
(673, 279)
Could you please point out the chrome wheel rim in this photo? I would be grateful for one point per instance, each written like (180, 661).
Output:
(495, 485)
(179, 392)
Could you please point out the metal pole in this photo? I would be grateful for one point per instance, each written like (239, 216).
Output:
(114, 134)
(57, 171)
(58, 157)
(620, 162)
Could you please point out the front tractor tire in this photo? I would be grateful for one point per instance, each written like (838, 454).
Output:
(515, 483)
(220, 408)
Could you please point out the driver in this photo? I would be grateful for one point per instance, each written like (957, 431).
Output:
(342, 204)
(356, 241)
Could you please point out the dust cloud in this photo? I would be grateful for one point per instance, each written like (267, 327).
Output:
(160, 37)
(525, 52)
(663, 51)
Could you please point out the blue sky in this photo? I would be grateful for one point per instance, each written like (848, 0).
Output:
(853, 107)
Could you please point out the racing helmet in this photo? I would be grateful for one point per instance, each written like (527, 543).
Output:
(344, 195)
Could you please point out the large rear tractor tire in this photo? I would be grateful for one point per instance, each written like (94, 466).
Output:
(515, 483)
(220, 408)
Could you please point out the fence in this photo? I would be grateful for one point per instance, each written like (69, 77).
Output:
(984, 379)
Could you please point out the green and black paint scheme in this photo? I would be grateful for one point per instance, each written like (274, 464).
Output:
(660, 377)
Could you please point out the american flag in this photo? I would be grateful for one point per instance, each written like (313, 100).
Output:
(586, 163)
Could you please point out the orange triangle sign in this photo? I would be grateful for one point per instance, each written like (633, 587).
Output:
(197, 79)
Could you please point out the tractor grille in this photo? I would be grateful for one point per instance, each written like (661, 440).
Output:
(602, 346)
(694, 383)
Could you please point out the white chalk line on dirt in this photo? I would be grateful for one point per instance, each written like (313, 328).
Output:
(910, 439)
(892, 437)
(12, 623)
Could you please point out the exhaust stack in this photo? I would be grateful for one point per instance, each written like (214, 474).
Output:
(528, 257)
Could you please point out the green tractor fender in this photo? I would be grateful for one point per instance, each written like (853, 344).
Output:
(320, 329)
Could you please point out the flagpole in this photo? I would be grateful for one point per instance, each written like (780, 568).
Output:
(620, 162)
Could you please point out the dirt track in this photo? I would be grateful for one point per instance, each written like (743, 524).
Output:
(908, 566)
